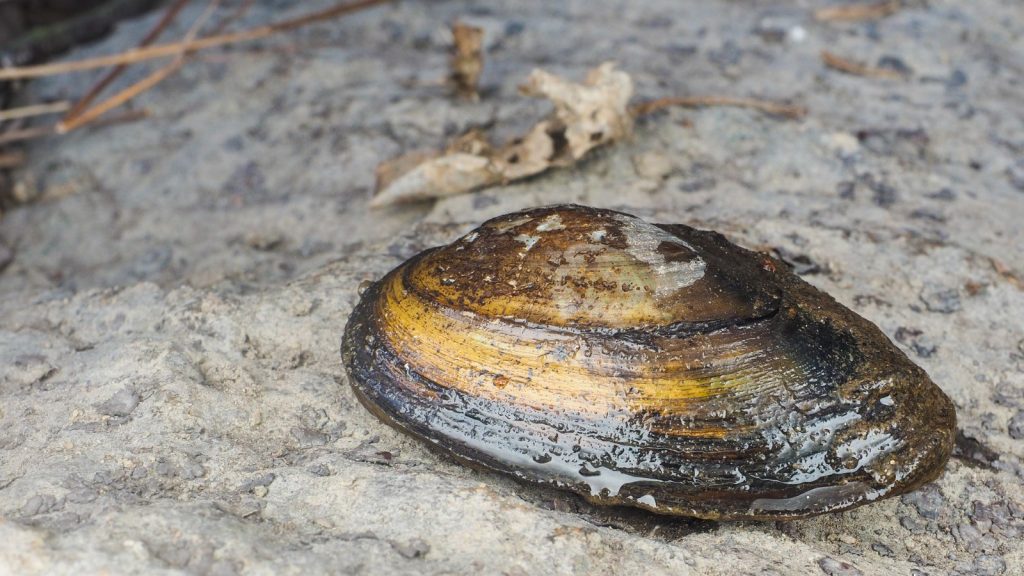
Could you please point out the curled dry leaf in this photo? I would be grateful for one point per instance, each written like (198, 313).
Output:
(591, 114)
(586, 116)
(465, 165)
(467, 59)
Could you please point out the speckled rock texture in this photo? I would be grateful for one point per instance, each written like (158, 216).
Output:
(172, 399)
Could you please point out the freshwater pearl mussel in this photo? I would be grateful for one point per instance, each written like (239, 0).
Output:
(657, 366)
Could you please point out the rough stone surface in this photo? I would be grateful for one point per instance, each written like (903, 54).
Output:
(171, 394)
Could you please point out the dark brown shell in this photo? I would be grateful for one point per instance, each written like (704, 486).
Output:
(657, 366)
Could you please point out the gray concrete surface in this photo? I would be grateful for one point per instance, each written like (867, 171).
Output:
(171, 394)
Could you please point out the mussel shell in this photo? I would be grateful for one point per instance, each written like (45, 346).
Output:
(657, 366)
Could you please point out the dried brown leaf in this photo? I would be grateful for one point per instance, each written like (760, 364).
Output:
(391, 170)
(586, 116)
(533, 153)
(593, 113)
(467, 59)
(443, 176)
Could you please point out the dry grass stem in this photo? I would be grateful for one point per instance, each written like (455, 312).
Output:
(90, 115)
(34, 110)
(857, 12)
(172, 49)
(116, 100)
(847, 66)
(110, 76)
(775, 108)
(24, 134)
(11, 160)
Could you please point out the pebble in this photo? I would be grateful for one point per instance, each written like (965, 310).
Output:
(940, 299)
(914, 525)
(989, 565)
(923, 346)
(968, 535)
(896, 64)
(415, 548)
(928, 502)
(307, 437)
(777, 25)
(1016, 426)
(259, 482)
(652, 165)
(265, 241)
(39, 504)
(319, 470)
(883, 550)
(834, 567)
(843, 143)
(120, 404)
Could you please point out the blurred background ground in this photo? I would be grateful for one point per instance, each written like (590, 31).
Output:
(174, 289)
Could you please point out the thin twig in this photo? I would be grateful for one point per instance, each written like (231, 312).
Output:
(26, 134)
(778, 109)
(41, 132)
(11, 159)
(857, 12)
(142, 85)
(1007, 273)
(172, 49)
(109, 77)
(116, 100)
(122, 118)
(34, 110)
(847, 66)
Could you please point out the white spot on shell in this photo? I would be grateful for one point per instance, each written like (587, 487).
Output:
(598, 235)
(467, 239)
(648, 500)
(643, 240)
(527, 240)
(551, 223)
(503, 227)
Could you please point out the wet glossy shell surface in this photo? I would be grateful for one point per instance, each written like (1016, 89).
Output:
(651, 365)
